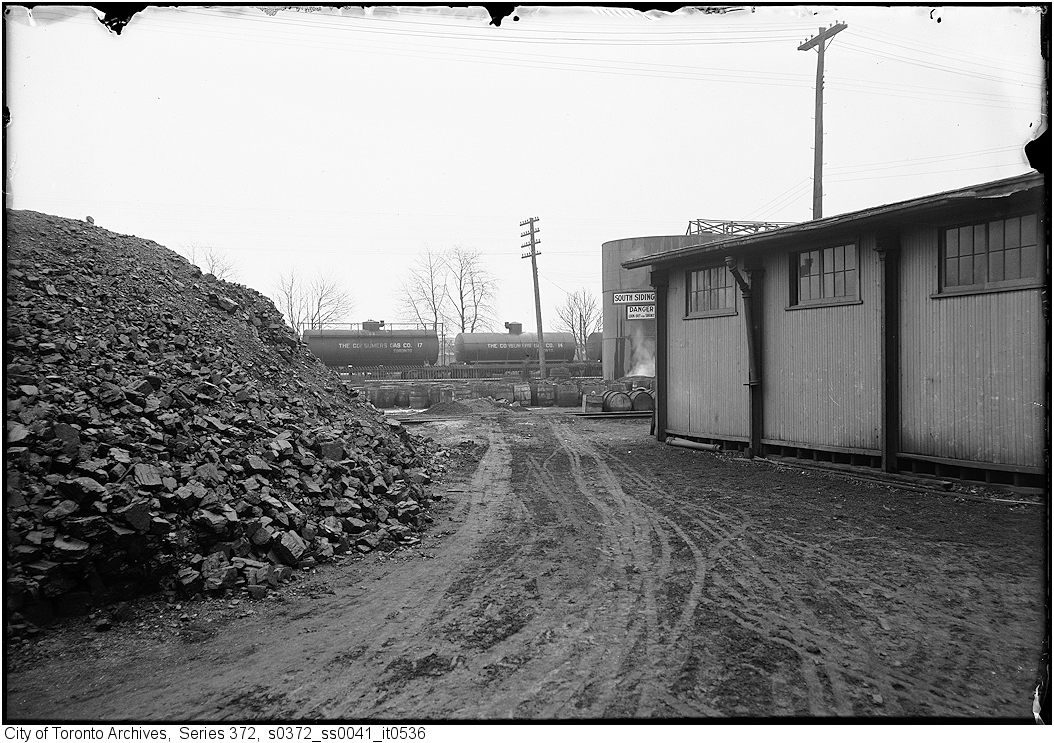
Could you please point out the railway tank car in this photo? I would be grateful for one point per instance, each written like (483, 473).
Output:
(373, 345)
(512, 347)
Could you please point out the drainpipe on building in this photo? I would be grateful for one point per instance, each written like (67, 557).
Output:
(660, 281)
(749, 290)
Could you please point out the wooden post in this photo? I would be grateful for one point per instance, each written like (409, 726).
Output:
(532, 233)
(660, 281)
(756, 276)
(751, 293)
(888, 248)
(819, 42)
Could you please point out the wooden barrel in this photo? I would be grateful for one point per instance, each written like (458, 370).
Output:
(592, 403)
(642, 399)
(567, 395)
(386, 396)
(543, 394)
(417, 397)
(617, 402)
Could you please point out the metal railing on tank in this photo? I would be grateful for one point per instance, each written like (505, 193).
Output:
(381, 327)
(575, 370)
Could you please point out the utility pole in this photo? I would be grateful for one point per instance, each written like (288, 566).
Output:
(819, 41)
(532, 233)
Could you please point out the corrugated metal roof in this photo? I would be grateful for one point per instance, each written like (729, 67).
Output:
(991, 190)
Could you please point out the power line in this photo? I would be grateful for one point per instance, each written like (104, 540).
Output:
(861, 49)
(972, 58)
(779, 200)
(485, 34)
(617, 68)
(842, 178)
(897, 164)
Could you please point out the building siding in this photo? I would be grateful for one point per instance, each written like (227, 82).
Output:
(821, 366)
(972, 369)
(708, 370)
(679, 380)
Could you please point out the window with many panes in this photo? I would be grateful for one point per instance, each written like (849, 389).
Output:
(824, 274)
(1001, 252)
(711, 290)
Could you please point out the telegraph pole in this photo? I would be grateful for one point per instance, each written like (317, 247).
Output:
(532, 233)
(819, 41)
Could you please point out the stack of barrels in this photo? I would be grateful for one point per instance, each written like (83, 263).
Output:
(637, 400)
(416, 396)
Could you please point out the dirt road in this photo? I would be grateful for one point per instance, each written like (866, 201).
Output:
(579, 569)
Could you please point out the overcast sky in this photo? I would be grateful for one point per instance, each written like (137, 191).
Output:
(349, 141)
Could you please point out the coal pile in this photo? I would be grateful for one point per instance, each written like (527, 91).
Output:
(167, 430)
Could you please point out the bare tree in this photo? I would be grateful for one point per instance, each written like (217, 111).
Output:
(326, 302)
(580, 315)
(290, 300)
(471, 290)
(425, 297)
(211, 260)
(311, 304)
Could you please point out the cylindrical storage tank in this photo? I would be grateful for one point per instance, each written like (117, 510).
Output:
(402, 397)
(446, 394)
(373, 348)
(480, 347)
(642, 399)
(521, 393)
(617, 402)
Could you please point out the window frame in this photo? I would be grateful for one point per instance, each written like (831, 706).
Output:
(690, 314)
(987, 286)
(795, 302)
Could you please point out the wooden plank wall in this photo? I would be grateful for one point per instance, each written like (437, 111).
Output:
(972, 370)
(821, 365)
(708, 370)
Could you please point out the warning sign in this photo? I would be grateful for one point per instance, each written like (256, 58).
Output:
(633, 297)
(640, 312)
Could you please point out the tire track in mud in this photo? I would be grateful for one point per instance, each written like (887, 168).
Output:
(417, 649)
(604, 618)
(637, 531)
(671, 653)
(546, 652)
(845, 655)
(743, 563)
(801, 631)
(560, 682)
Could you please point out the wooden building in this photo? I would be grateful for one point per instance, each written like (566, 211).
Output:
(912, 336)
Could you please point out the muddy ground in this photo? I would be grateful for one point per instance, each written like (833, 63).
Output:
(578, 569)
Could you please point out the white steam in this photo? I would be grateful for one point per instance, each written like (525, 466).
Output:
(642, 350)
